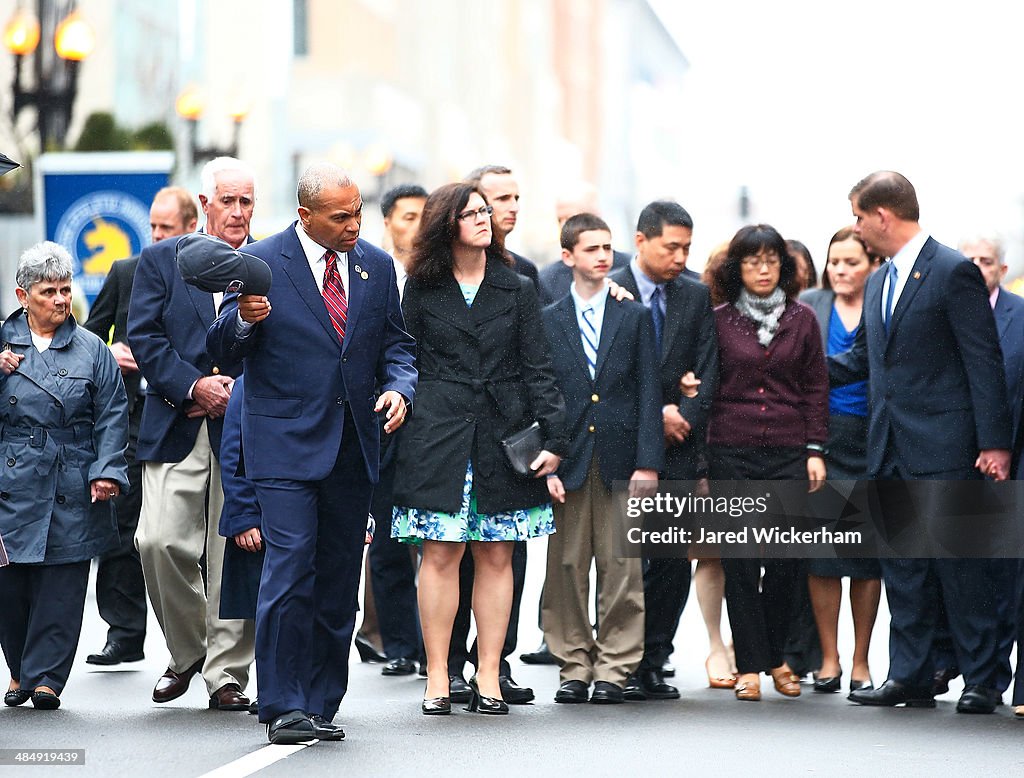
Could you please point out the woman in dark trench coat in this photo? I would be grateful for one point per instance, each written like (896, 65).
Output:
(64, 431)
(485, 373)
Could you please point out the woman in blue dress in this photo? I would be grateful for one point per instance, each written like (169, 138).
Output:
(484, 374)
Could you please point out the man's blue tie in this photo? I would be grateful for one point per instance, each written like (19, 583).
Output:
(589, 335)
(657, 315)
(890, 294)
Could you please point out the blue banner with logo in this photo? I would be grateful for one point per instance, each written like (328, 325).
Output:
(96, 205)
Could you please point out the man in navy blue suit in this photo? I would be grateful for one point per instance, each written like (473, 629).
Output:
(179, 444)
(929, 349)
(315, 349)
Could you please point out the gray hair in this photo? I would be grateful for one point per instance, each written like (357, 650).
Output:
(992, 238)
(316, 178)
(208, 176)
(46, 261)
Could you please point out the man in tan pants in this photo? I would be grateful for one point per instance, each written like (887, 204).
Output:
(179, 441)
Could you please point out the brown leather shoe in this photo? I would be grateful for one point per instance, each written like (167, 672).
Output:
(229, 697)
(172, 685)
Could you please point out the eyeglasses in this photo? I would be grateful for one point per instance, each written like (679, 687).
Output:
(771, 259)
(485, 210)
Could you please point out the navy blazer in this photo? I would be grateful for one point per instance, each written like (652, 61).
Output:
(689, 342)
(936, 385)
(1009, 313)
(616, 414)
(299, 378)
(167, 324)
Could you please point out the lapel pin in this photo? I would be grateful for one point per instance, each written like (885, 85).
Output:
(917, 274)
(358, 269)
(364, 275)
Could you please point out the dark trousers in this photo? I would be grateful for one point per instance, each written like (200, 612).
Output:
(666, 589)
(120, 586)
(393, 578)
(457, 653)
(1018, 683)
(41, 621)
(915, 589)
(313, 532)
(761, 609)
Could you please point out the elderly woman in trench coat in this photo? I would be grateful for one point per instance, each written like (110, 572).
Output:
(64, 431)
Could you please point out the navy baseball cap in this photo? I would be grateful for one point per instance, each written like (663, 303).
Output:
(212, 265)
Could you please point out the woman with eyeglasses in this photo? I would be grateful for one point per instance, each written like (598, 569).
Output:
(838, 306)
(484, 374)
(769, 421)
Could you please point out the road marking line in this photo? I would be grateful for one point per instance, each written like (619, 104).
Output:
(256, 761)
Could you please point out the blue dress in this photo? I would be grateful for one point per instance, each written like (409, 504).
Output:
(414, 525)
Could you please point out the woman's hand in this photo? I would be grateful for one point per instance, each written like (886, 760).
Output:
(250, 540)
(618, 292)
(9, 361)
(103, 489)
(545, 464)
(815, 472)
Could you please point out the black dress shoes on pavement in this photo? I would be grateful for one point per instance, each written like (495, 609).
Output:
(229, 697)
(572, 692)
(172, 685)
(649, 685)
(542, 656)
(399, 666)
(115, 652)
(367, 652)
(941, 679)
(892, 693)
(513, 693)
(458, 689)
(978, 699)
(291, 728)
(607, 693)
(16, 697)
(830, 684)
(438, 706)
(325, 730)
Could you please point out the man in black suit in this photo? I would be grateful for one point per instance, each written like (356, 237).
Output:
(684, 328)
(604, 357)
(120, 586)
(929, 348)
(501, 191)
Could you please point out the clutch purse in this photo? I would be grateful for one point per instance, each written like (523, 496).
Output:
(522, 447)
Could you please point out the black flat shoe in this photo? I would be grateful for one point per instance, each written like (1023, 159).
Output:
(830, 684)
(367, 653)
(856, 685)
(16, 697)
(45, 700)
(478, 703)
(437, 706)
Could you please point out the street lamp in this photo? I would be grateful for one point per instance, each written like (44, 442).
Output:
(56, 77)
(190, 106)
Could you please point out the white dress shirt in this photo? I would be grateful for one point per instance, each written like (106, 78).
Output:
(317, 264)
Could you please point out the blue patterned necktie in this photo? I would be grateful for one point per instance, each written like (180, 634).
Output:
(890, 294)
(657, 315)
(588, 333)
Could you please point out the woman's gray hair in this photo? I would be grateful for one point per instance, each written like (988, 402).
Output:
(46, 261)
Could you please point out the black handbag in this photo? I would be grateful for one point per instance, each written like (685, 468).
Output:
(522, 447)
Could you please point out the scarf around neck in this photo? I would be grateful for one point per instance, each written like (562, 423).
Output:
(764, 311)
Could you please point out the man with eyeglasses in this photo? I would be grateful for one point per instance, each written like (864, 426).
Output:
(499, 188)
(687, 343)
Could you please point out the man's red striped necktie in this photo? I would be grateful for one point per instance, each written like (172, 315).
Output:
(334, 295)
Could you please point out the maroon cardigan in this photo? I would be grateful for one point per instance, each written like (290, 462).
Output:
(775, 396)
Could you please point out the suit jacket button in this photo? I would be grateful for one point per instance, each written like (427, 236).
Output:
(61, 499)
(594, 398)
(339, 400)
(216, 370)
(591, 428)
(5, 495)
(13, 401)
(62, 372)
(344, 359)
(11, 461)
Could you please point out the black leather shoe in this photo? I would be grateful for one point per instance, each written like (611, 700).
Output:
(458, 689)
(325, 730)
(892, 693)
(400, 666)
(941, 679)
(668, 670)
(830, 684)
(542, 656)
(607, 693)
(367, 653)
(654, 687)
(437, 706)
(632, 691)
(44, 700)
(423, 669)
(115, 652)
(478, 703)
(171, 685)
(571, 692)
(856, 685)
(291, 728)
(978, 699)
(16, 697)
(513, 693)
